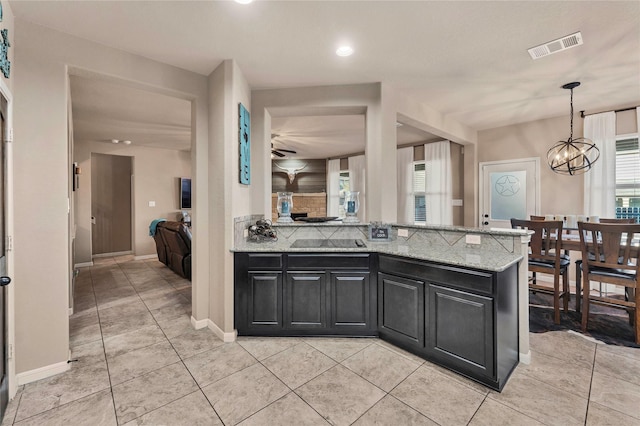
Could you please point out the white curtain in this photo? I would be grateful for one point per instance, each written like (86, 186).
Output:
(600, 181)
(438, 191)
(405, 185)
(333, 187)
(357, 166)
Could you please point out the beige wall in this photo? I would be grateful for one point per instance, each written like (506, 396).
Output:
(43, 59)
(626, 122)
(8, 24)
(228, 198)
(559, 193)
(155, 179)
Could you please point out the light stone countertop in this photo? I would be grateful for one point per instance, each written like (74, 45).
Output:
(459, 254)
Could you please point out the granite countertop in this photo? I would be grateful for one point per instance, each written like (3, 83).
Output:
(469, 257)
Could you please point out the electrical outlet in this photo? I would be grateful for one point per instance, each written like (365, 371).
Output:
(152, 203)
(403, 232)
(472, 239)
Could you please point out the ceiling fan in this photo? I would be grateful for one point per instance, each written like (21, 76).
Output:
(279, 151)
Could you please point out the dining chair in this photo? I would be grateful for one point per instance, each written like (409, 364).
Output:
(609, 256)
(565, 254)
(579, 262)
(545, 257)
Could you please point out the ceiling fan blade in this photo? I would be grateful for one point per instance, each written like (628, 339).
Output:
(287, 150)
(279, 154)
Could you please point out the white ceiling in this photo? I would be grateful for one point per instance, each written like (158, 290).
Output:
(104, 110)
(467, 60)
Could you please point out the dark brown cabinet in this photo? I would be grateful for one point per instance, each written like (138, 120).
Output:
(401, 309)
(350, 300)
(463, 319)
(264, 299)
(295, 294)
(305, 300)
(460, 329)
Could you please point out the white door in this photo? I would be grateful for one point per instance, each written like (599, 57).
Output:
(508, 189)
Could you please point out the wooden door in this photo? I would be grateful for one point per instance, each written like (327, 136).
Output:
(111, 204)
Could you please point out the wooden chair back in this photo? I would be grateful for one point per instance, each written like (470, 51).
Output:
(609, 255)
(536, 217)
(616, 220)
(545, 245)
(608, 245)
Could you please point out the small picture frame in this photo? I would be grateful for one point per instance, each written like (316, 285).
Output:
(379, 232)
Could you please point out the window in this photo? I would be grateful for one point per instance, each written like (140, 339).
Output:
(419, 189)
(344, 187)
(627, 177)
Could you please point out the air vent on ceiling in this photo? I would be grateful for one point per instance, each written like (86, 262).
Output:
(556, 46)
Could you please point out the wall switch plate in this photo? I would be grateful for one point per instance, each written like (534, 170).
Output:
(152, 203)
(403, 232)
(456, 202)
(472, 239)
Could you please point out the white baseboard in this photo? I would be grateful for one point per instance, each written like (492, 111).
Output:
(145, 256)
(83, 264)
(114, 254)
(42, 373)
(225, 337)
(525, 358)
(198, 324)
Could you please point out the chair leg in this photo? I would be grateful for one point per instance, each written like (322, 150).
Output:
(556, 298)
(578, 284)
(585, 302)
(636, 326)
(565, 289)
(629, 294)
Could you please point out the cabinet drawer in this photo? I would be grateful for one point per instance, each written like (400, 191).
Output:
(465, 279)
(353, 261)
(265, 261)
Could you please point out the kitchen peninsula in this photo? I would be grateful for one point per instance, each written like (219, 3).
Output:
(449, 295)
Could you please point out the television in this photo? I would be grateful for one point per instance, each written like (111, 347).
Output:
(185, 193)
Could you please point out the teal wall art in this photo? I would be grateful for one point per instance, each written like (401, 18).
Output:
(245, 145)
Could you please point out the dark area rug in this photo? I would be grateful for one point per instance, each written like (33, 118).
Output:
(608, 325)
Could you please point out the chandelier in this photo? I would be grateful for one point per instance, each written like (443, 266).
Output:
(573, 156)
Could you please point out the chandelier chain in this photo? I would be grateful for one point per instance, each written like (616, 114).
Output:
(571, 132)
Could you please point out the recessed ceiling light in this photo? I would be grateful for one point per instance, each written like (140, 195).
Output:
(243, 1)
(114, 141)
(344, 51)
(126, 142)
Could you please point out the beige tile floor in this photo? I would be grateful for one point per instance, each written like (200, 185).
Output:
(139, 362)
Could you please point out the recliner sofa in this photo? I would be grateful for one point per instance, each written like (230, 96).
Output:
(173, 244)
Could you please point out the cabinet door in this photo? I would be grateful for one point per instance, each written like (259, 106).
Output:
(350, 297)
(460, 330)
(265, 300)
(305, 300)
(401, 309)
